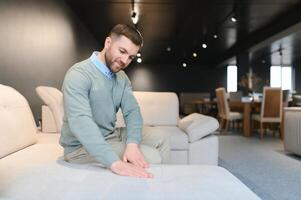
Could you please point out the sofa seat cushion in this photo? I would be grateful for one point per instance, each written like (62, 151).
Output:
(48, 138)
(178, 139)
(60, 180)
(18, 164)
(37, 172)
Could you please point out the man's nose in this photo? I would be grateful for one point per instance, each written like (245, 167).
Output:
(124, 59)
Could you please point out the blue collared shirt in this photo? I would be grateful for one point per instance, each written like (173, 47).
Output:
(100, 66)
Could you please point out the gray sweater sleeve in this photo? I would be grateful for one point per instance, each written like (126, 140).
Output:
(78, 112)
(132, 114)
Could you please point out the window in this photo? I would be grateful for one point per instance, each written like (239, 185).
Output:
(231, 78)
(286, 78)
(275, 76)
(281, 77)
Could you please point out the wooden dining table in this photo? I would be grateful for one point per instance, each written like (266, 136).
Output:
(247, 108)
(203, 104)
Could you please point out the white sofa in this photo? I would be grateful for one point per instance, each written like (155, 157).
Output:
(191, 138)
(30, 168)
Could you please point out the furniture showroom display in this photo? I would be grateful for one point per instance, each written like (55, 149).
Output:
(191, 138)
(31, 166)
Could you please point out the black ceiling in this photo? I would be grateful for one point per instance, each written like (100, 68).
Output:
(263, 27)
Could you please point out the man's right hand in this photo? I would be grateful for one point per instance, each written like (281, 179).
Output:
(128, 169)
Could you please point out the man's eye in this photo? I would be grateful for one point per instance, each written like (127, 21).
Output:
(122, 51)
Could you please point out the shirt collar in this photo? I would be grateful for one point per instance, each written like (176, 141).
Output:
(100, 66)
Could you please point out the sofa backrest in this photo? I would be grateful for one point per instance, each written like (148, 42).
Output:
(157, 109)
(53, 98)
(17, 127)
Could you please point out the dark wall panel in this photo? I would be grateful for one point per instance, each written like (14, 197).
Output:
(39, 41)
(176, 78)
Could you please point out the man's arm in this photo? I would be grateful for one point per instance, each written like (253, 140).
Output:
(79, 115)
(78, 112)
(133, 121)
(132, 115)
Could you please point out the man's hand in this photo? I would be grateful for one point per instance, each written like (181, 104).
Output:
(133, 155)
(128, 169)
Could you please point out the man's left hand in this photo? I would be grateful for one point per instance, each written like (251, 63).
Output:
(133, 155)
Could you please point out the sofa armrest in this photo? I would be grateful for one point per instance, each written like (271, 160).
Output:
(197, 126)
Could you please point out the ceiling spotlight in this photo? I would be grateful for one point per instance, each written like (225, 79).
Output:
(139, 60)
(215, 36)
(134, 17)
(194, 54)
(184, 64)
(134, 14)
(138, 55)
(233, 18)
(204, 45)
(168, 49)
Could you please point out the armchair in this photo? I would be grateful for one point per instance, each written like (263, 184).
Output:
(292, 129)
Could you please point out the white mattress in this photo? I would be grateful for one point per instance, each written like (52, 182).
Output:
(36, 173)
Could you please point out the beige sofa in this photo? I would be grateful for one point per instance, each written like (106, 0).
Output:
(292, 129)
(191, 138)
(31, 168)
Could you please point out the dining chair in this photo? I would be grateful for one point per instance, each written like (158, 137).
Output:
(224, 113)
(271, 108)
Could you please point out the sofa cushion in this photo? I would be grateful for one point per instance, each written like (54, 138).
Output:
(197, 126)
(46, 178)
(18, 129)
(53, 98)
(178, 139)
(158, 108)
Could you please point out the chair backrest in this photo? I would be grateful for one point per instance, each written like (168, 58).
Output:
(17, 126)
(271, 107)
(222, 103)
(53, 98)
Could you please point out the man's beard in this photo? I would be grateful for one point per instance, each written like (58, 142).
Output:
(108, 61)
(114, 65)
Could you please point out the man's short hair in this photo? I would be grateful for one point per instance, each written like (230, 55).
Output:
(128, 31)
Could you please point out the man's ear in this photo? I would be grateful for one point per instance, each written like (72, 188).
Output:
(108, 42)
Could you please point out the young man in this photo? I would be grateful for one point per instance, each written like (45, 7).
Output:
(93, 91)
